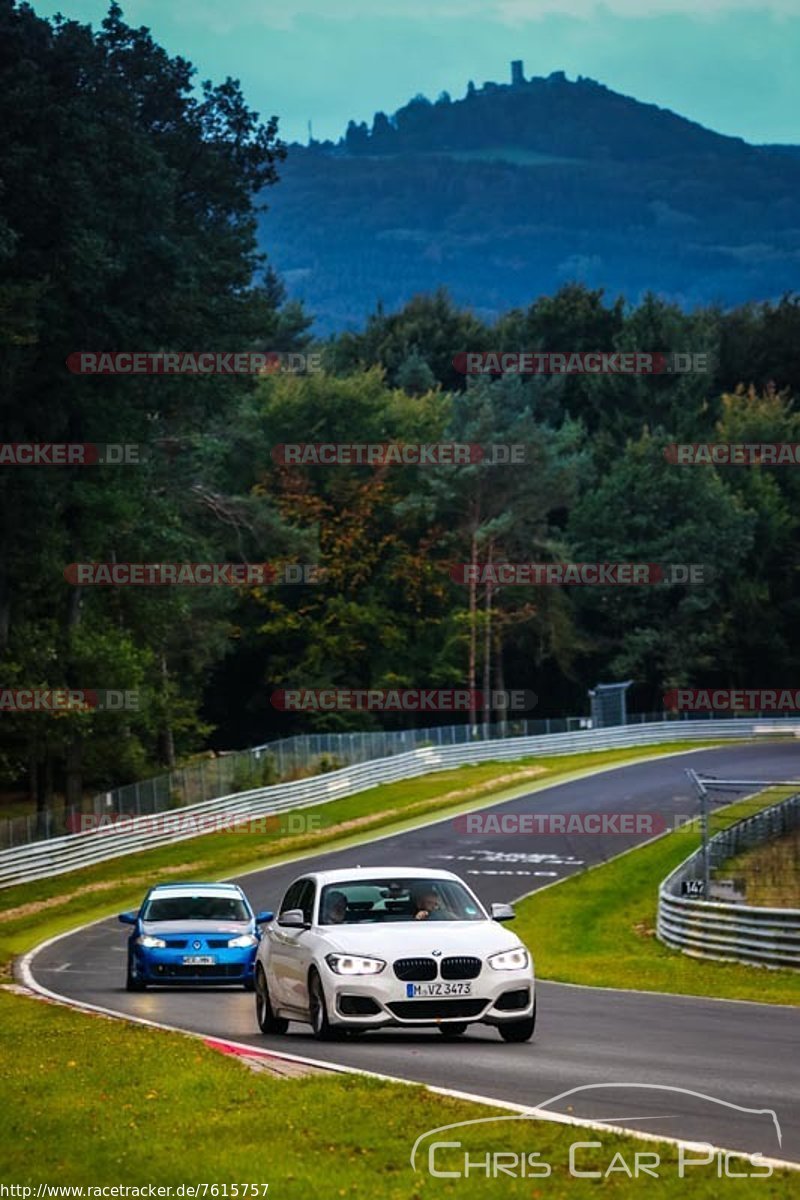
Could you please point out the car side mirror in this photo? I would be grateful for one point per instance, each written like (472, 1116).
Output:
(128, 918)
(294, 918)
(502, 912)
(263, 917)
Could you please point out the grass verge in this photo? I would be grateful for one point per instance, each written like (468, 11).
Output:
(92, 1101)
(770, 873)
(598, 928)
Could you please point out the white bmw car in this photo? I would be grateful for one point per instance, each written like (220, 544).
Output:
(367, 948)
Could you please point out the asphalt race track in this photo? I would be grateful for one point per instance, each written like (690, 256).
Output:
(742, 1054)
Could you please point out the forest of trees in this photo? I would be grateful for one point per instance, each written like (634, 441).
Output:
(127, 221)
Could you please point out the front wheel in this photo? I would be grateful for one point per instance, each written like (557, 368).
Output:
(519, 1031)
(267, 1021)
(132, 981)
(318, 1010)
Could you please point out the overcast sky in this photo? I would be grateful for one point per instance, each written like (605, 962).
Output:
(732, 65)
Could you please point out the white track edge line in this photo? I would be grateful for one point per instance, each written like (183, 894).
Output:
(343, 1069)
(24, 968)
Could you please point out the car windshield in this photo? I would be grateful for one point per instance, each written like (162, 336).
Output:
(357, 902)
(195, 908)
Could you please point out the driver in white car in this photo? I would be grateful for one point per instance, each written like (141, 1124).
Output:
(429, 907)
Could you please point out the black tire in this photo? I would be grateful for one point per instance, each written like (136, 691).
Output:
(519, 1031)
(318, 1010)
(454, 1030)
(267, 1021)
(132, 981)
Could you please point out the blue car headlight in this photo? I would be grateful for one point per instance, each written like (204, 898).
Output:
(149, 942)
(240, 943)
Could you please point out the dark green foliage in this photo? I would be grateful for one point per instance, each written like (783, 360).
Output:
(127, 222)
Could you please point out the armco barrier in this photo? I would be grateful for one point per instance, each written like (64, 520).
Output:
(732, 932)
(42, 859)
(228, 772)
(234, 771)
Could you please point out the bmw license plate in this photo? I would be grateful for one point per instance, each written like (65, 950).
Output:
(417, 991)
(199, 960)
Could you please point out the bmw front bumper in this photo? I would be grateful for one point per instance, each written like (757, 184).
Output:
(376, 1001)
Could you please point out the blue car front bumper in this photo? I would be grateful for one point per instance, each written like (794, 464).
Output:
(229, 966)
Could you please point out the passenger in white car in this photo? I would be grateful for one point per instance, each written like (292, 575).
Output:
(335, 909)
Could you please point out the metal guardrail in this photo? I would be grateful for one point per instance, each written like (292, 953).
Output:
(234, 771)
(38, 860)
(732, 932)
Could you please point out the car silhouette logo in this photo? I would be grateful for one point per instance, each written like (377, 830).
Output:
(196, 945)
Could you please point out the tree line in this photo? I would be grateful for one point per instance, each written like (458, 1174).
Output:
(128, 220)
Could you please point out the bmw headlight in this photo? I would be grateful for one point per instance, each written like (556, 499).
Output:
(246, 939)
(152, 943)
(510, 960)
(351, 964)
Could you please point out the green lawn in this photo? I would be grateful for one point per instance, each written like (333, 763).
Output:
(598, 928)
(89, 1100)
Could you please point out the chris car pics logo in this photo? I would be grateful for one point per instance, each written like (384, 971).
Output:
(445, 1153)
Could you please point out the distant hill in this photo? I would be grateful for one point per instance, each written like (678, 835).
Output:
(515, 189)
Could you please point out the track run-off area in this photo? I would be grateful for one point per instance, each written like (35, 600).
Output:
(702, 1066)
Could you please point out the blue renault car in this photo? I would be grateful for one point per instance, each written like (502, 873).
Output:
(193, 933)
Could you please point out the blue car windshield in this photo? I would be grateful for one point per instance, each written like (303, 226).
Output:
(195, 908)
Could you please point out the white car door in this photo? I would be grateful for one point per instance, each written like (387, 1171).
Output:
(281, 949)
(290, 954)
(298, 951)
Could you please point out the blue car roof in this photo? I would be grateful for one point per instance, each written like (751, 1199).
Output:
(157, 887)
